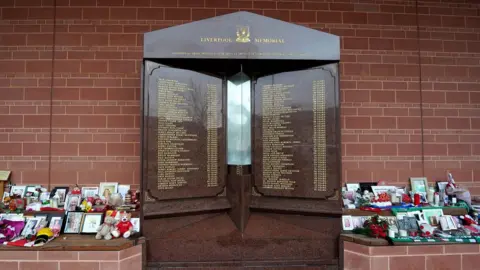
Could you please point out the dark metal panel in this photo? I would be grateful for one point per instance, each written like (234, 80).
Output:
(241, 35)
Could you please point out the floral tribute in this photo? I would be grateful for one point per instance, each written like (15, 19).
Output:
(373, 227)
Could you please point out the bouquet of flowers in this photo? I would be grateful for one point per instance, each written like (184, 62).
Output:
(373, 227)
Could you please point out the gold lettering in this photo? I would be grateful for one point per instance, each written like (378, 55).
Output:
(270, 40)
(215, 40)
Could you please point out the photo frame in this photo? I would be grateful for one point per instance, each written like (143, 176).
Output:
(367, 186)
(18, 190)
(123, 190)
(32, 190)
(418, 215)
(432, 215)
(347, 223)
(30, 225)
(447, 223)
(441, 185)
(72, 202)
(353, 186)
(62, 193)
(56, 224)
(73, 222)
(90, 223)
(136, 224)
(377, 190)
(89, 192)
(419, 184)
(107, 189)
(358, 221)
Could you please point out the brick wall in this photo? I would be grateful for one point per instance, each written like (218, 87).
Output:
(128, 259)
(451, 257)
(410, 88)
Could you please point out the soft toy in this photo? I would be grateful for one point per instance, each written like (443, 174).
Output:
(461, 193)
(124, 227)
(105, 230)
(427, 230)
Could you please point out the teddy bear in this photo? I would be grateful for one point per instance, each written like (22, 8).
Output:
(105, 230)
(124, 227)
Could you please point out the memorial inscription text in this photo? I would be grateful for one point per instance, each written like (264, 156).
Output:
(177, 111)
(293, 136)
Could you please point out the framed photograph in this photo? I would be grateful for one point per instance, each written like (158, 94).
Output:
(136, 224)
(5, 195)
(447, 223)
(419, 184)
(353, 186)
(31, 191)
(358, 221)
(30, 225)
(73, 222)
(377, 190)
(367, 186)
(347, 223)
(89, 191)
(441, 186)
(123, 190)
(56, 224)
(18, 190)
(90, 222)
(62, 193)
(418, 215)
(72, 201)
(107, 189)
(432, 215)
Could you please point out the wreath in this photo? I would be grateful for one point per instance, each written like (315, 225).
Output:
(373, 227)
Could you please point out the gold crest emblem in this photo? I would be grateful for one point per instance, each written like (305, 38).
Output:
(243, 34)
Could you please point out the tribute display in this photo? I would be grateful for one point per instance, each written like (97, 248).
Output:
(240, 144)
(290, 134)
(190, 144)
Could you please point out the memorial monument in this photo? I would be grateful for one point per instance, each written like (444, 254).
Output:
(241, 144)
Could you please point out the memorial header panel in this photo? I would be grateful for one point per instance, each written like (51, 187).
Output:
(241, 35)
(295, 135)
(185, 134)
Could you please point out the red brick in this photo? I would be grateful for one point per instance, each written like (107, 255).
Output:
(10, 149)
(453, 21)
(384, 123)
(93, 66)
(94, 40)
(65, 94)
(178, 14)
(459, 149)
(384, 150)
(150, 13)
(303, 16)
(123, 13)
(216, 3)
(92, 121)
(382, 69)
(64, 121)
(120, 149)
(458, 123)
(92, 149)
(289, 5)
(137, 3)
(404, 19)
(408, 122)
(434, 122)
(355, 149)
(382, 96)
(122, 121)
(355, 43)
(405, 44)
(380, 18)
(357, 122)
(354, 18)
(327, 16)
(123, 39)
(121, 66)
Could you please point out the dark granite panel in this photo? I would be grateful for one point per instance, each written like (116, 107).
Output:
(194, 97)
(284, 105)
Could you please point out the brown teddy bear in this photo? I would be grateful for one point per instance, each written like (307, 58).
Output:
(105, 230)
